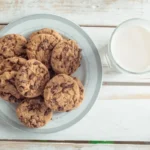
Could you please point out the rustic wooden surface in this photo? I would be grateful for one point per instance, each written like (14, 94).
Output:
(122, 110)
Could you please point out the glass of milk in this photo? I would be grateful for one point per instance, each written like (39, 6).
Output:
(129, 47)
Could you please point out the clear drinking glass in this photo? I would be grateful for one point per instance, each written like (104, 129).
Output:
(109, 59)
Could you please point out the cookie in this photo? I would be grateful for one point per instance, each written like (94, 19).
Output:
(32, 78)
(61, 93)
(81, 89)
(33, 113)
(40, 47)
(45, 31)
(66, 57)
(12, 45)
(8, 70)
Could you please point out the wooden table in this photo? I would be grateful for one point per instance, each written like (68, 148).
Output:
(121, 113)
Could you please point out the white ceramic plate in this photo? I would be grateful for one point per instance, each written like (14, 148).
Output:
(90, 71)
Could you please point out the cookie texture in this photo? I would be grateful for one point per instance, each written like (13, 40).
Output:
(81, 89)
(8, 70)
(66, 57)
(33, 113)
(40, 47)
(12, 45)
(62, 93)
(31, 78)
(45, 31)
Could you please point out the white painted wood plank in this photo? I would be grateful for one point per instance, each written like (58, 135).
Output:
(56, 146)
(89, 12)
(124, 92)
(108, 120)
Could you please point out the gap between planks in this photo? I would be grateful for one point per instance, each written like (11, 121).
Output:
(126, 84)
(72, 146)
(77, 142)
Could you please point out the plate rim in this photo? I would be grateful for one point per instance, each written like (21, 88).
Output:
(99, 70)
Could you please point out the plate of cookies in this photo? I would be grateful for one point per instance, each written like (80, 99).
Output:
(50, 73)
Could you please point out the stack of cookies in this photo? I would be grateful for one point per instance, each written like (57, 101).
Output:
(36, 74)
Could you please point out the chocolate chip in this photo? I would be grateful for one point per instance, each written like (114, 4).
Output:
(23, 81)
(2, 68)
(12, 99)
(54, 100)
(63, 84)
(34, 107)
(60, 58)
(36, 63)
(2, 93)
(31, 76)
(81, 90)
(54, 88)
(4, 48)
(69, 86)
(44, 45)
(31, 87)
(47, 112)
(66, 86)
(9, 38)
(70, 70)
(11, 81)
(57, 57)
(25, 93)
(24, 47)
(24, 70)
(60, 108)
(65, 63)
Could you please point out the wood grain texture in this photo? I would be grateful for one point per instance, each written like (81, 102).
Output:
(85, 12)
(54, 146)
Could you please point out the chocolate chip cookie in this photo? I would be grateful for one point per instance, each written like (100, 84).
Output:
(45, 31)
(33, 113)
(62, 93)
(8, 70)
(66, 57)
(40, 47)
(32, 78)
(12, 45)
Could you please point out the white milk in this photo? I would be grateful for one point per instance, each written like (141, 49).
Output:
(130, 47)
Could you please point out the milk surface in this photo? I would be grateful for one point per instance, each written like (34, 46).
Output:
(130, 47)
